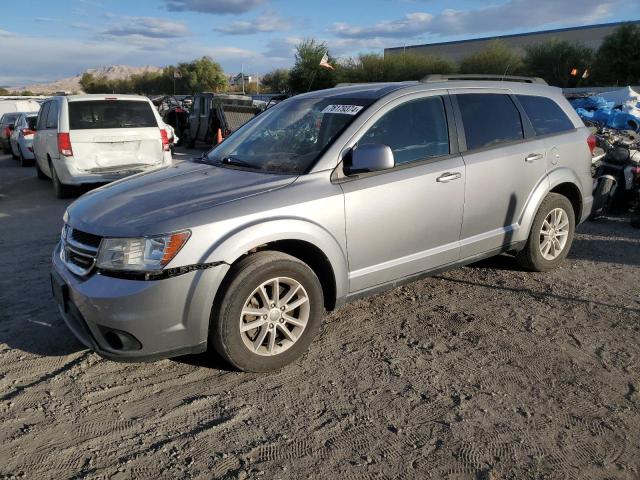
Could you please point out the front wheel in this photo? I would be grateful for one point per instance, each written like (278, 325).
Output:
(270, 311)
(551, 235)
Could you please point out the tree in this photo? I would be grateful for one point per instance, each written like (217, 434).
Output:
(307, 74)
(495, 59)
(202, 75)
(276, 81)
(372, 67)
(4, 91)
(555, 60)
(618, 58)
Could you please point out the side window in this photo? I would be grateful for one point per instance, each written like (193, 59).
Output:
(42, 116)
(489, 119)
(415, 131)
(203, 105)
(52, 115)
(546, 115)
(196, 106)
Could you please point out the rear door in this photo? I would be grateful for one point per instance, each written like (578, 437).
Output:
(504, 162)
(203, 123)
(39, 140)
(109, 134)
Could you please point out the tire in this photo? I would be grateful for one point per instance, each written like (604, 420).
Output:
(61, 190)
(23, 161)
(241, 291)
(531, 257)
(602, 196)
(41, 175)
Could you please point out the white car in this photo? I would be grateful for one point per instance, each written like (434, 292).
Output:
(21, 139)
(85, 139)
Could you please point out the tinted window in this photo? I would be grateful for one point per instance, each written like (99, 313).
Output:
(42, 116)
(52, 115)
(415, 131)
(31, 122)
(489, 119)
(545, 115)
(90, 114)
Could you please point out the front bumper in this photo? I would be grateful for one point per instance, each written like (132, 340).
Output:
(168, 317)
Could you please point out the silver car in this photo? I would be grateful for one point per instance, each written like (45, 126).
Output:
(326, 197)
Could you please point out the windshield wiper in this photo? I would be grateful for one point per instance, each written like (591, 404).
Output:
(239, 163)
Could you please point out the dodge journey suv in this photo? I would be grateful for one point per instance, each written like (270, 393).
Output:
(327, 197)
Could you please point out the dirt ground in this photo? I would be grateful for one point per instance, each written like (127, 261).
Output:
(485, 372)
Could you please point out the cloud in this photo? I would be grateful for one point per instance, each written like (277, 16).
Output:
(282, 48)
(513, 14)
(150, 27)
(264, 23)
(5, 33)
(219, 7)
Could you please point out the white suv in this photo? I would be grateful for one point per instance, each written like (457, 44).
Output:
(84, 139)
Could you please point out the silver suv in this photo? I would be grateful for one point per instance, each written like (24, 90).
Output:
(324, 198)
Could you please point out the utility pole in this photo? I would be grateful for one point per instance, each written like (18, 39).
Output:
(242, 75)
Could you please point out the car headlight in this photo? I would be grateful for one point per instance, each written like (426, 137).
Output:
(140, 254)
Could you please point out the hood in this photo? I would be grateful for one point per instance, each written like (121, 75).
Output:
(148, 203)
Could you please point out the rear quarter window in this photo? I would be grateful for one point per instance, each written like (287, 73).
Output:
(489, 119)
(98, 114)
(545, 115)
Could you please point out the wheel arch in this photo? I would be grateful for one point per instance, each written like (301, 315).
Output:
(302, 239)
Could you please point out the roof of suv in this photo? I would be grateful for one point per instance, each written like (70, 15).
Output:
(376, 91)
(104, 96)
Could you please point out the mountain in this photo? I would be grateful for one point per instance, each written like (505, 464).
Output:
(72, 84)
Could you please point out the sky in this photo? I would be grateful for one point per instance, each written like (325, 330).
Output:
(45, 40)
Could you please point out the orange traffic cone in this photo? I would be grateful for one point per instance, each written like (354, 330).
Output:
(219, 137)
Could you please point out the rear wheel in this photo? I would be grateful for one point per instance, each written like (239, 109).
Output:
(270, 312)
(23, 161)
(61, 190)
(551, 235)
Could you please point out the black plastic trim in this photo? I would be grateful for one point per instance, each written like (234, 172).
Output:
(166, 273)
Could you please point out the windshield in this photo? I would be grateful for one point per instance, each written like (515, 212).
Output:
(289, 137)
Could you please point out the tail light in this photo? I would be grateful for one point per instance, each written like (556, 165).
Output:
(7, 132)
(165, 139)
(591, 141)
(64, 145)
(26, 132)
(635, 170)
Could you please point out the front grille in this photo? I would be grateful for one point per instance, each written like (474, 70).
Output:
(88, 239)
(79, 251)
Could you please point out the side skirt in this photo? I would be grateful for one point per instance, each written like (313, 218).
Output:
(427, 273)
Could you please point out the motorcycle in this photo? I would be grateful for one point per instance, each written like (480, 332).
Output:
(617, 173)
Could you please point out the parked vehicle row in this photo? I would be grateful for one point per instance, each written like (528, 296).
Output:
(324, 198)
(21, 138)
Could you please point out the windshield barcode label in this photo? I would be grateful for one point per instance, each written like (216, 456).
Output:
(344, 109)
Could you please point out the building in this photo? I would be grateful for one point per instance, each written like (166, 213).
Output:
(589, 35)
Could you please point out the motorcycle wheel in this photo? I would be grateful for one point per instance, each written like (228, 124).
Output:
(602, 196)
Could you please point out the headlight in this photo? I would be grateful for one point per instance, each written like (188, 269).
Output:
(140, 254)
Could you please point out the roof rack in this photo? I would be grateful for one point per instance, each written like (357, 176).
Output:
(473, 76)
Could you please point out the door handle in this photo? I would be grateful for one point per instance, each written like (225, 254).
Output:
(532, 157)
(447, 177)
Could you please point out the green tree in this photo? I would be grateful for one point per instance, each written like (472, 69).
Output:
(555, 60)
(495, 59)
(276, 81)
(4, 91)
(307, 74)
(202, 75)
(372, 67)
(618, 58)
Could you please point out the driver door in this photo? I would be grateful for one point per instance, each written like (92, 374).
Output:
(406, 220)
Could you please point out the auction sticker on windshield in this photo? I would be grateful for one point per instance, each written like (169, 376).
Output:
(344, 109)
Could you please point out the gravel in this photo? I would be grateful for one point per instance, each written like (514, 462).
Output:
(485, 372)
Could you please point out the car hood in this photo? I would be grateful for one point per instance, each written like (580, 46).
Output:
(149, 203)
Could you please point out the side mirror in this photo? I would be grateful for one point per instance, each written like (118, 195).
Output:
(370, 157)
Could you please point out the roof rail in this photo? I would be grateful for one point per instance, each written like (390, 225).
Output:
(474, 76)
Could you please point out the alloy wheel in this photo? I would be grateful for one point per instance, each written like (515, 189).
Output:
(554, 234)
(274, 316)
